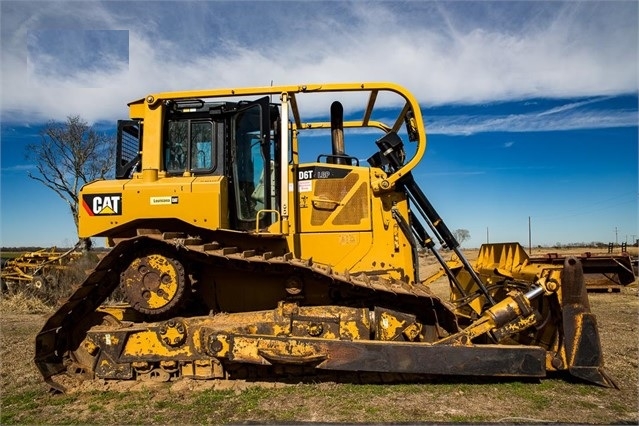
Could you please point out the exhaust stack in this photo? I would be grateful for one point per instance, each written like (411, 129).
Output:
(337, 134)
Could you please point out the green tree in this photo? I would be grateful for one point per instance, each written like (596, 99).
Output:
(69, 155)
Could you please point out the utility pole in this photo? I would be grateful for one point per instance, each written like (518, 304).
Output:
(487, 239)
(616, 241)
(529, 238)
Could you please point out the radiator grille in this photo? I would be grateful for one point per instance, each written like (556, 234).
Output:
(354, 210)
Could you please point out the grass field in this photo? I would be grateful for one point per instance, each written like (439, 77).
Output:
(10, 254)
(25, 398)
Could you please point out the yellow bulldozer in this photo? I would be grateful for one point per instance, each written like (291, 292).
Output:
(251, 244)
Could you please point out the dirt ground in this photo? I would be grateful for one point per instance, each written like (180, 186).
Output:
(617, 315)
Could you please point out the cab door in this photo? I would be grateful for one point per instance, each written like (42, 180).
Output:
(254, 167)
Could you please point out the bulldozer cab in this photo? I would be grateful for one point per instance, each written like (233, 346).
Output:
(269, 162)
(234, 140)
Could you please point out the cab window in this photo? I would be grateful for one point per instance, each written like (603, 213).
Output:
(201, 146)
(249, 163)
(189, 146)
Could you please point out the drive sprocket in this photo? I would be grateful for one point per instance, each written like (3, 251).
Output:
(155, 284)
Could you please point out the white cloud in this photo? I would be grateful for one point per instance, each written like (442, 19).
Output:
(555, 119)
(569, 106)
(18, 168)
(453, 173)
(63, 55)
(443, 52)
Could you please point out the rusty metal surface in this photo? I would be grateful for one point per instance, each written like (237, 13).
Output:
(581, 337)
(315, 338)
(403, 357)
(53, 341)
(154, 284)
(271, 339)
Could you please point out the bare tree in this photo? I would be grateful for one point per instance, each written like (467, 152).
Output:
(69, 155)
(461, 235)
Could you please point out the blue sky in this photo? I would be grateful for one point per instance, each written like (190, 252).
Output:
(530, 107)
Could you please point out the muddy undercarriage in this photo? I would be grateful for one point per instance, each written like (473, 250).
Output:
(212, 311)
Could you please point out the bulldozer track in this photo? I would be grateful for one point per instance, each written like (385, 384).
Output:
(56, 337)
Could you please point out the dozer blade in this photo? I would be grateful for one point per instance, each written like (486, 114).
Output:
(383, 357)
(581, 336)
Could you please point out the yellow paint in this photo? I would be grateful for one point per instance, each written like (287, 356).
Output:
(390, 327)
(349, 330)
(136, 202)
(146, 343)
(168, 286)
(349, 217)
(343, 221)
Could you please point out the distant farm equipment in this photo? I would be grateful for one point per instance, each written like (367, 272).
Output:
(36, 270)
(603, 272)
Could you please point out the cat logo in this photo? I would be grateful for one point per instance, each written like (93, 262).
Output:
(102, 204)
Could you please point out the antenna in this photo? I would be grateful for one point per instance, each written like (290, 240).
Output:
(270, 97)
